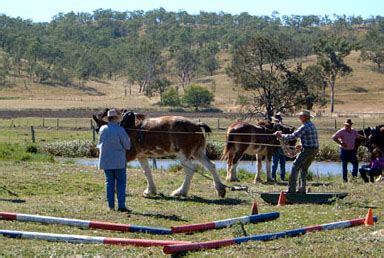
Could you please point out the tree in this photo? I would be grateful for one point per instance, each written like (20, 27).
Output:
(208, 57)
(145, 63)
(373, 48)
(186, 66)
(330, 56)
(197, 96)
(259, 67)
(171, 98)
(159, 85)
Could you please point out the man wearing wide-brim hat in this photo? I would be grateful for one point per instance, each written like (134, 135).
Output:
(309, 148)
(346, 137)
(113, 144)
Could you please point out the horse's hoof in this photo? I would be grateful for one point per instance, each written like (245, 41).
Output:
(233, 179)
(221, 192)
(178, 193)
(258, 180)
(148, 194)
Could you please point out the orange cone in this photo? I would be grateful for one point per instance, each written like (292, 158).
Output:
(254, 208)
(282, 199)
(369, 218)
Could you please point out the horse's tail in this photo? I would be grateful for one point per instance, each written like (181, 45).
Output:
(206, 128)
(228, 146)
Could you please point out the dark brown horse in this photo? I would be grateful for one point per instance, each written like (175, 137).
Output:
(245, 138)
(168, 136)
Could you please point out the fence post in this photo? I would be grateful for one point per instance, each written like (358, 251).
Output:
(93, 134)
(363, 123)
(33, 134)
(335, 124)
(218, 124)
(43, 122)
(91, 123)
(57, 123)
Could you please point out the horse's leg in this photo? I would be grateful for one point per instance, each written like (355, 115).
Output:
(233, 169)
(229, 167)
(259, 168)
(189, 170)
(151, 187)
(202, 157)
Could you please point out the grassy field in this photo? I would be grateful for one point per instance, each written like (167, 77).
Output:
(77, 192)
(360, 92)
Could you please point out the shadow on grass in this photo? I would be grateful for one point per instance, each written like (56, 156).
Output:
(226, 201)
(12, 200)
(172, 217)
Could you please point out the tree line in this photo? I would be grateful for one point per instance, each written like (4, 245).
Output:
(154, 49)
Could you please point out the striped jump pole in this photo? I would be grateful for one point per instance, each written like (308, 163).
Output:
(84, 223)
(225, 223)
(171, 249)
(87, 239)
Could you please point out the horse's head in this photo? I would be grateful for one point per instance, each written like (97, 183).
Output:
(131, 119)
(99, 119)
(287, 129)
(128, 120)
(376, 139)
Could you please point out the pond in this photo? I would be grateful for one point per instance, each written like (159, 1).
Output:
(321, 168)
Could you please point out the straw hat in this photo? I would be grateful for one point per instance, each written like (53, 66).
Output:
(112, 112)
(348, 122)
(305, 113)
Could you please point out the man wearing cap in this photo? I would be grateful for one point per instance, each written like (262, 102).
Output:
(309, 148)
(113, 144)
(346, 138)
(278, 157)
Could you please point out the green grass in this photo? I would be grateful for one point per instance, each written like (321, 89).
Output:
(17, 152)
(74, 191)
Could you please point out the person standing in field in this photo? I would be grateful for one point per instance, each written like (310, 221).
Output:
(278, 157)
(113, 144)
(346, 138)
(309, 148)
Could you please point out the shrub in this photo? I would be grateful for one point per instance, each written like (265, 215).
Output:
(171, 98)
(31, 148)
(197, 96)
(71, 149)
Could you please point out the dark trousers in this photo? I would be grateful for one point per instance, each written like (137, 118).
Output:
(347, 156)
(301, 164)
(372, 172)
(278, 158)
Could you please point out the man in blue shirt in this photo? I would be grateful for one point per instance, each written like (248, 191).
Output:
(113, 144)
(309, 148)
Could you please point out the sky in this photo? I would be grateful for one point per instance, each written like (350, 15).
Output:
(44, 10)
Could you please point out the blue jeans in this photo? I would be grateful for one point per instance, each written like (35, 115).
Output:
(349, 156)
(118, 178)
(278, 157)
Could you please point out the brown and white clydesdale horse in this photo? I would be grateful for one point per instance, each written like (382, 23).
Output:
(245, 138)
(167, 136)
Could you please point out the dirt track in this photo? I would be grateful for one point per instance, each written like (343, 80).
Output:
(81, 113)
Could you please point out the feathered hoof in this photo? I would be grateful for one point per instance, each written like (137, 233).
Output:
(235, 179)
(179, 193)
(148, 193)
(221, 193)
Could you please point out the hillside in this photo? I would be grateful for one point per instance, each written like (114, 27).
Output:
(363, 91)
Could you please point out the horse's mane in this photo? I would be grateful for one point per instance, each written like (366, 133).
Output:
(140, 117)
